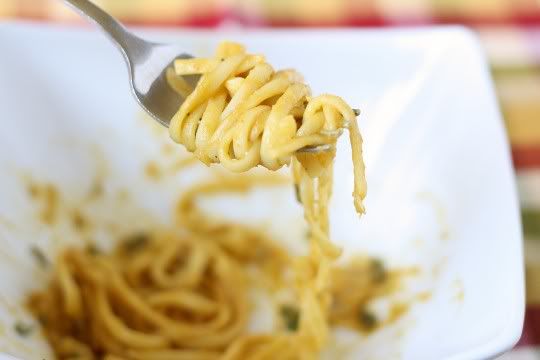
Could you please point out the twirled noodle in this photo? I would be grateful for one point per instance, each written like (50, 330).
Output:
(243, 114)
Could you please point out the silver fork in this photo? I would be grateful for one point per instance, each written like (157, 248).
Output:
(146, 61)
(147, 64)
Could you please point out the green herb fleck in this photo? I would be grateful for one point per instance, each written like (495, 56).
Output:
(297, 193)
(377, 271)
(93, 250)
(43, 320)
(290, 316)
(135, 242)
(96, 190)
(367, 319)
(23, 329)
(79, 221)
(39, 256)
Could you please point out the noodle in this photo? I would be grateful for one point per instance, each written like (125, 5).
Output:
(164, 295)
(243, 114)
(183, 294)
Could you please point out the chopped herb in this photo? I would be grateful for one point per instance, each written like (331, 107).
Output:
(33, 190)
(290, 316)
(297, 193)
(79, 221)
(367, 319)
(23, 329)
(43, 319)
(96, 190)
(92, 249)
(39, 256)
(135, 242)
(377, 271)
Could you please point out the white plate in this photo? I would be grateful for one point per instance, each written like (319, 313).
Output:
(441, 186)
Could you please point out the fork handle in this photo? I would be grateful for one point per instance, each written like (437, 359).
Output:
(126, 41)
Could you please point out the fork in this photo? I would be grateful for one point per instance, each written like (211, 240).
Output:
(147, 64)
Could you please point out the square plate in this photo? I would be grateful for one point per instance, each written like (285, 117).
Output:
(441, 186)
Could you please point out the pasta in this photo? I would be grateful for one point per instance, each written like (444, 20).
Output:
(188, 288)
(182, 294)
(243, 114)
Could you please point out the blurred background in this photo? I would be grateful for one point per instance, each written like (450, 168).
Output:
(508, 29)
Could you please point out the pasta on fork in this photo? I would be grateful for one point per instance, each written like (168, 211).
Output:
(243, 114)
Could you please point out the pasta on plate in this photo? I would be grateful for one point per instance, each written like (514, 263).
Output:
(181, 294)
